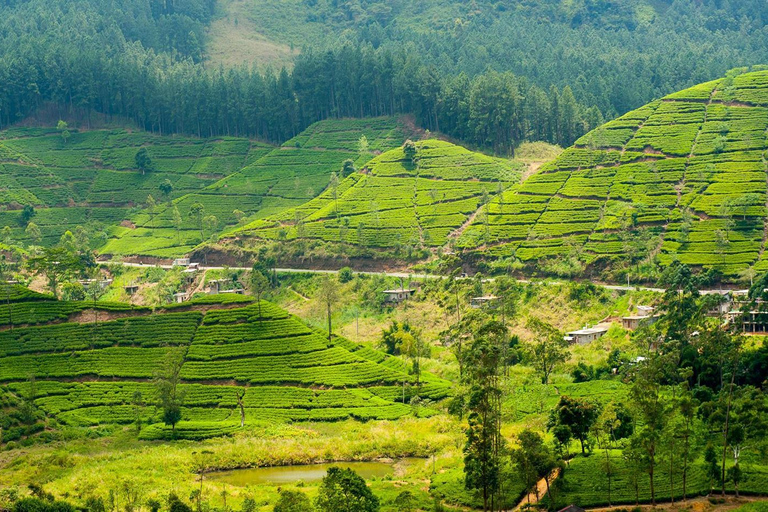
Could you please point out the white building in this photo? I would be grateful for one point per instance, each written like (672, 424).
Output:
(398, 295)
(586, 335)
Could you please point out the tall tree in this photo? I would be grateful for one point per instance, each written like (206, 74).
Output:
(197, 212)
(576, 414)
(329, 295)
(548, 349)
(167, 380)
(259, 285)
(484, 444)
(144, 161)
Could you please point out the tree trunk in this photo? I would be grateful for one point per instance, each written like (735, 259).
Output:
(725, 432)
(608, 474)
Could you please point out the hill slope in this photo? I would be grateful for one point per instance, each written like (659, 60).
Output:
(682, 178)
(396, 200)
(100, 373)
(602, 50)
(287, 176)
(92, 178)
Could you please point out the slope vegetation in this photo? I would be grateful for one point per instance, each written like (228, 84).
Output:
(91, 177)
(682, 178)
(101, 372)
(397, 199)
(287, 176)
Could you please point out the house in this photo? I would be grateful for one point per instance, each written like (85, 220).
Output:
(218, 285)
(190, 272)
(644, 311)
(643, 315)
(180, 262)
(752, 314)
(586, 335)
(131, 289)
(486, 302)
(398, 295)
(180, 297)
(632, 322)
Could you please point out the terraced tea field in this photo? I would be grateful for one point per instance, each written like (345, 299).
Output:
(91, 177)
(689, 168)
(270, 183)
(397, 200)
(100, 373)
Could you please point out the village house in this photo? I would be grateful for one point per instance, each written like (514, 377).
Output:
(753, 316)
(398, 295)
(643, 314)
(586, 335)
(485, 302)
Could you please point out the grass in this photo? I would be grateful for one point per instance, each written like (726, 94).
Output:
(89, 467)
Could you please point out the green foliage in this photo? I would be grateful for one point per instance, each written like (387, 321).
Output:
(293, 501)
(397, 205)
(343, 489)
(41, 505)
(284, 361)
(578, 416)
(684, 175)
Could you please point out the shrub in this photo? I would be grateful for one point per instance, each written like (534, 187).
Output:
(345, 275)
(293, 501)
(343, 489)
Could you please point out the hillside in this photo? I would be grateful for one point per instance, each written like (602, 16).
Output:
(397, 200)
(602, 50)
(270, 183)
(101, 373)
(91, 179)
(682, 178)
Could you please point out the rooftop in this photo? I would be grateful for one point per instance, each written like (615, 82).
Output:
(400, 290)
(590, 330)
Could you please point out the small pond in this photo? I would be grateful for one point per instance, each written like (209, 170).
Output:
(281, 475)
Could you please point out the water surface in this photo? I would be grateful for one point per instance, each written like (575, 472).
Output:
(281, 475)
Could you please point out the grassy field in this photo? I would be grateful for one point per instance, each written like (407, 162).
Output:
(687, 170)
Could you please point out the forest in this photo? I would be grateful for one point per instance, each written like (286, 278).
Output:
(145, 62)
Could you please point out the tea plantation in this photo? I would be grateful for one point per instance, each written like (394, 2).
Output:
(398, 199)
(91, 177)
(270, 183)
(101, 372)
(687, 171)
